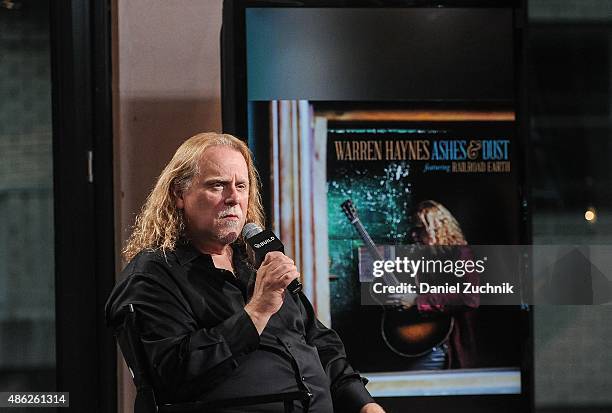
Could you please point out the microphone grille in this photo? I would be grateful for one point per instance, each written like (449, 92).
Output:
(250, 230)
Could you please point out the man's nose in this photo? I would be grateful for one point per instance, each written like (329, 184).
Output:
(232, 197)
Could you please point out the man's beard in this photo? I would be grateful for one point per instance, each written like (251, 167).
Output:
(227, 231)
(227, 237)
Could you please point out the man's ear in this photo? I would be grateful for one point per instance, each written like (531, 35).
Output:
(178, 197)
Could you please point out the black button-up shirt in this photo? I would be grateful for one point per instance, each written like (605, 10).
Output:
(202, 344)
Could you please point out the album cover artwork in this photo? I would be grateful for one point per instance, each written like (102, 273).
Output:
(464, 174)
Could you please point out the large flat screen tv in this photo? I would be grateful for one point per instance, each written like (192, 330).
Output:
(347, 100)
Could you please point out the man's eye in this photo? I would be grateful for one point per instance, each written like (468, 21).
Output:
(218, 185)
(241, 186)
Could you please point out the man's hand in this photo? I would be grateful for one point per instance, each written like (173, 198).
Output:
(372, 408)
(274, 275)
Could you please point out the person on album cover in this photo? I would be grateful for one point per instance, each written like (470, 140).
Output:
(206, 335)
(435, 226)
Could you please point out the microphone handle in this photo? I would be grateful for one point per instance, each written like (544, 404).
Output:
(264, 242)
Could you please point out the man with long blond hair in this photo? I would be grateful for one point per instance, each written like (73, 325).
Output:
(434, 225)
(161, 221)
(213, 327)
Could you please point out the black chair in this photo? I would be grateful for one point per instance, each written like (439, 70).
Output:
(127, 334)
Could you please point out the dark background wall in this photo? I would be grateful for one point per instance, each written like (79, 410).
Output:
(569, 52)
(27, 299)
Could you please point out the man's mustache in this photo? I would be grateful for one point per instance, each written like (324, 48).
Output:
(230, 211)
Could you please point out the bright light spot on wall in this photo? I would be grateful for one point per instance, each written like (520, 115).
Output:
(590, 215)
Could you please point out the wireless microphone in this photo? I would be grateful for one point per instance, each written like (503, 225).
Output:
(263, 241)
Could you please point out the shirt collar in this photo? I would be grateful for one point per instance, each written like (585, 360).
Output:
(185, 253)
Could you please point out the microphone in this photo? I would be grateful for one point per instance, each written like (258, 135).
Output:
(263, 241)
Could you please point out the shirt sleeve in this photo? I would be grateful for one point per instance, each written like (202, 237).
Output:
(186, 360)
(347, 386)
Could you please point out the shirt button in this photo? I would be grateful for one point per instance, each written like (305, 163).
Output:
(288, 345)
(303, 378)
